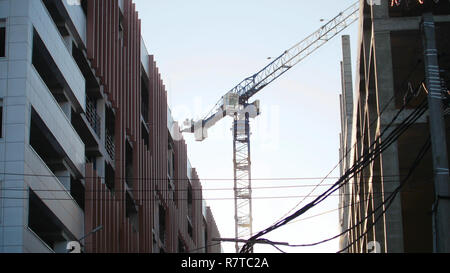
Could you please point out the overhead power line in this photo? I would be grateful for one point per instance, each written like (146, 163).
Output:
(268, 179)
(387, 202)
(392, 123)
(373, 152)
(403, 85)
(199, 189)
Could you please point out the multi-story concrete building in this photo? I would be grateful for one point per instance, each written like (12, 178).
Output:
(87, 139)
(390, 72)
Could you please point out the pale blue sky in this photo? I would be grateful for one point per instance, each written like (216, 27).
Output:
(204, 48)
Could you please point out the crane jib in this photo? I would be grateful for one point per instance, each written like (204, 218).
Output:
(289, 58)
(293, 56)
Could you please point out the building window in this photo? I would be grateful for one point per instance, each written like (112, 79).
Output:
(109, 177)
(190, 212)
(60, 21)
(110, 120)
(190, 200)
(190, 229)
(171, 169)
(162, 224)
(84, 6)
(129, 165)
(92, 115)
(145, 116)
(144, 97)
(46, 146)
(145, 135)
(77, 191)
(2, 38)
(121, 35)
(170, 161)
(155, 242)
(49, 72)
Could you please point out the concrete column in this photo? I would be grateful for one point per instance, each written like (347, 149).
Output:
(346, 100)
(389, 164)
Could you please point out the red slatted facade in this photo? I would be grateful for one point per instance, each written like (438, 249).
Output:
(119, 67)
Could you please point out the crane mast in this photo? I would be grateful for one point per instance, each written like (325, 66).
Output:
(235, 104)
(242, 178)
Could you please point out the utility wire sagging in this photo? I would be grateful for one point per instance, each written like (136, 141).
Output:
(375, 149)
(405, 84)
(384, 206)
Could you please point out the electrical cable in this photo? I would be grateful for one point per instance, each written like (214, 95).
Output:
(395, 133)
(404, 83)
(402, 130)
(336, 210)
(204, 247)
(273, 245)
(391, 198)
(357, 167)
(210, 245)
(388, 200)
(193, 190)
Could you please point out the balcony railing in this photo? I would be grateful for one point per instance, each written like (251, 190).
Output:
(109, 145)
(92, 116)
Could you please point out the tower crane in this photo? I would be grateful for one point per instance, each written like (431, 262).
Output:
(235, 104)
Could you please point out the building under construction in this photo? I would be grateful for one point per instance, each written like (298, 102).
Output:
(88, 148)
(391, 87)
